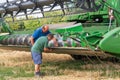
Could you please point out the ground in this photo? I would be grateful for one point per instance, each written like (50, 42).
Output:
(18, 65)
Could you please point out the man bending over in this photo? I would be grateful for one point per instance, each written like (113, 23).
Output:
(36, 51)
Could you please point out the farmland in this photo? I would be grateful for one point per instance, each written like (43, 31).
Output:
(18, 65)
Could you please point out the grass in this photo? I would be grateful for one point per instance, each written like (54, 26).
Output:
(15, 64)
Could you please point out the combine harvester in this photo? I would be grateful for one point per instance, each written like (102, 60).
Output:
(77, 42)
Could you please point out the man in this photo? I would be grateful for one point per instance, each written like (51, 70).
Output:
(42, 31)
(36, 51)
(57, 41)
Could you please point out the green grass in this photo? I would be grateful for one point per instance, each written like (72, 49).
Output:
(5, 71)
(59, 68)
(15, 72)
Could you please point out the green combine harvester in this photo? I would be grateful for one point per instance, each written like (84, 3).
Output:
(76, 40)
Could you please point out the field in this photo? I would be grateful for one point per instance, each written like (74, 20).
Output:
(18, 65)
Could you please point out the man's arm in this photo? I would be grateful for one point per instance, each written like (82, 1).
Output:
(47, 49)
(34, 36)
(32, 40)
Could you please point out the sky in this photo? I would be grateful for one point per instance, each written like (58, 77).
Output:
(3, 1)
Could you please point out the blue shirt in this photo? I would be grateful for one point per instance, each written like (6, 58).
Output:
(38, 33)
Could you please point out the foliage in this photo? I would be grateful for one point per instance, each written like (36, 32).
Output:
(14, 25)
(32, 23)
(21, 25)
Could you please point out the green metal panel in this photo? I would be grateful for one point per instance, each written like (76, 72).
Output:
(73, 17)
(76, 31)
(94, 38)
(5, 26)
(3, 37)
(115, 5)
(70, 29)
(117, 16)
(111, 42)
(87, 15)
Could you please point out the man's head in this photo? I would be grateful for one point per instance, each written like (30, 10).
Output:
(50, 36)
(45, 28)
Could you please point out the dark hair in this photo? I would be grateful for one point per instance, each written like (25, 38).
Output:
(50, 35)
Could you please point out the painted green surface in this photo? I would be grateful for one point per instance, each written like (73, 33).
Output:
(110, 42)
(102, 12)
(88, 36)
(115, 5)
(88, 16)
(70, 29)
(5, 26)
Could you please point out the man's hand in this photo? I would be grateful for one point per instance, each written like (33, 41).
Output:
(47, 50)
(50, 49)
